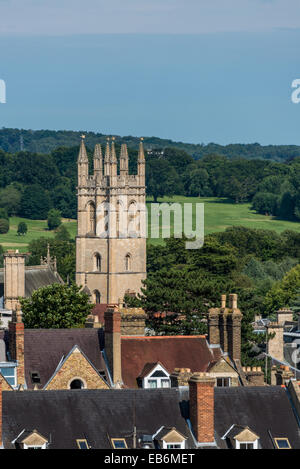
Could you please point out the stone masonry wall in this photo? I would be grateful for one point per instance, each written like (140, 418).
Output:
(77, 367)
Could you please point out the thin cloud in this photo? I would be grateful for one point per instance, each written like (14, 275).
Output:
(64, 17)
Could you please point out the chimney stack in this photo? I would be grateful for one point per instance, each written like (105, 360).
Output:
(275, 344)
(16, 343)
(233, 301)
(201, 388)
(112, 327)
(224, 327)
(14, 278)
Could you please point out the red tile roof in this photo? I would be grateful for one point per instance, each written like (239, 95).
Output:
(171, 351)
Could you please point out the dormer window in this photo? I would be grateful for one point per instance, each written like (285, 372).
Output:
(31, 440)
(239, 437)
(154, 375)
(170, 438)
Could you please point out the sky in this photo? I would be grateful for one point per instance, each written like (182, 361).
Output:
(196, 71)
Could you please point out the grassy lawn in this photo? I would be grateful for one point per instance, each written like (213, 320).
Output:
(218, 215)
(36, 229)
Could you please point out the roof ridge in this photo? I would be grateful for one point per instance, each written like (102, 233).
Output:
(142, 337)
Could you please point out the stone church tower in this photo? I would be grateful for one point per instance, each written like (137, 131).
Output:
(111, 236)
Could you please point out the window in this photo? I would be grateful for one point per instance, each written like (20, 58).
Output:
(119, 443)
(128, 262)
(35, 377)
(223, 382)
(76, 384)
(35, 447)
(165, 383)
(157, 378)
(82, 444)
(282, 443)
(91, 217)
(97, 262)
(174, 446)
(152, 383)
(9, 373)
(246, 446)
(97, 297)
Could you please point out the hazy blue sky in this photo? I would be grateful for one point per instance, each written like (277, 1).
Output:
(190, 70)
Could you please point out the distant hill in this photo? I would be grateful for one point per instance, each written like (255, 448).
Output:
(44, 141)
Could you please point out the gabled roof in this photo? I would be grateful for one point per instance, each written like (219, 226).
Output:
(36, 277)
(240, 433)
(170, 435)
(148, 368)
(171, 351)
(266, 410)
(75, 349)
(44, 349)
(94, 415)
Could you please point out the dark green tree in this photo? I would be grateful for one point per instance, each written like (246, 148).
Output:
(4, 226)
(56, 307)
(35, 203)
(22, 228)
(53, 219)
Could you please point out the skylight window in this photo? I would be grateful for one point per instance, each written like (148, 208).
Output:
(282, 443)
(119, 443)
(82, 444)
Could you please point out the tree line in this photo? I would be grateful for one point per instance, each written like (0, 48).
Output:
(31, 184)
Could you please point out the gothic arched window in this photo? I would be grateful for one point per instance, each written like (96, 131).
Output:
(97, 297)
(91, 217)
(97, 262)
(127, 262)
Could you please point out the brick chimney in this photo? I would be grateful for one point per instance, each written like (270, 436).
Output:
(16, 344)
(14, 278)
(112, 327)
(201, 387)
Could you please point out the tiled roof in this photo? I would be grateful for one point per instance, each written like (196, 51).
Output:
(44, 348)
(171, 351)
(94, 415)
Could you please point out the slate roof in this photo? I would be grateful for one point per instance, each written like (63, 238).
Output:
(95, 415)
(98, 415)
(44, 348)
(261, 408)
(171, 351)
(35, 277)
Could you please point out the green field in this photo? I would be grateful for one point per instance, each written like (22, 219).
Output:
(218, 215)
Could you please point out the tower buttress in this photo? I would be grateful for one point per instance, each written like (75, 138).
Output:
(113, 159)
(107, 159)
(141, 163)
(98, 163)
(83, 164)
(124, 160)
